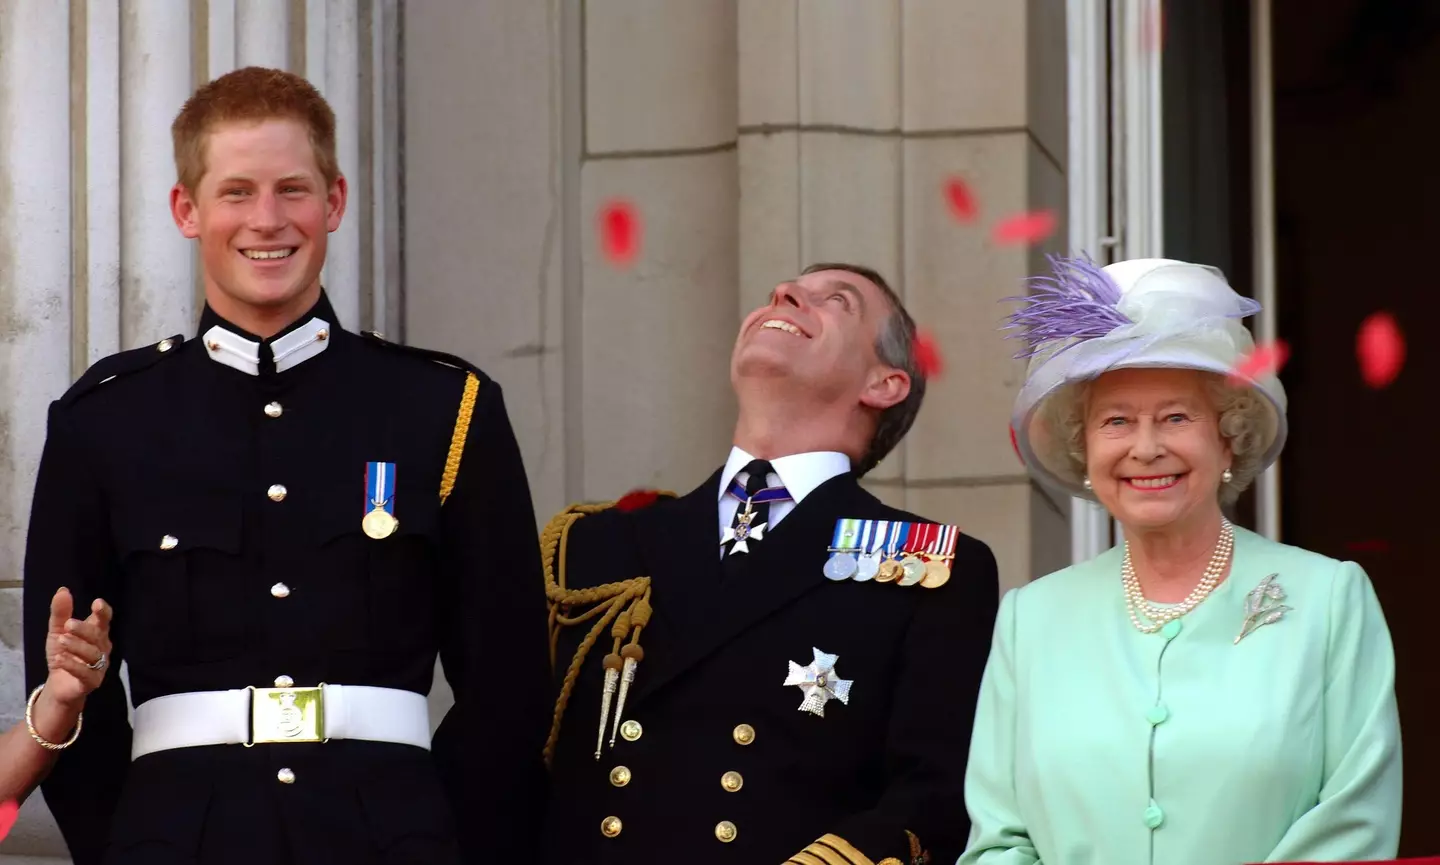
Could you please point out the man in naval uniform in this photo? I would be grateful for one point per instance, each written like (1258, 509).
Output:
(768, 677)
(292, 521)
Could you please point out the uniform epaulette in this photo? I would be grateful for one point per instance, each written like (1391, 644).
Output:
(123, 363)
(440, 357)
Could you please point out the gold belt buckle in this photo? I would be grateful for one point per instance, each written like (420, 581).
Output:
(280, 715)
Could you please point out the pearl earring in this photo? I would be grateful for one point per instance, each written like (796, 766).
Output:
(1086, 483)
(1227, 476)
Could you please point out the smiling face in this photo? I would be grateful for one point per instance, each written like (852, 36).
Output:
(1153, 449)
(819, 331)
(262, 212)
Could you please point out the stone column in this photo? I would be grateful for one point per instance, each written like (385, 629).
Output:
(660, 119)
(90, 260)
(853, 115)
(984, 93)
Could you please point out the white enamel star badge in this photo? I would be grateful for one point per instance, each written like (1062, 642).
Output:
(743, 533)
(819, 683)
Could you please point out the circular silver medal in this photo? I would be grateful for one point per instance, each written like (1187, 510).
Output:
(867, 567)
(841, 566)
(913, 569)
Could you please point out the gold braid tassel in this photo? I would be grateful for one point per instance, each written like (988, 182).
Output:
(624, 607)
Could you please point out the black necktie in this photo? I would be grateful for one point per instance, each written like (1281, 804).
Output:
(744, 525)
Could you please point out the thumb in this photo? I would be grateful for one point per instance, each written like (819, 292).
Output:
(61, 606)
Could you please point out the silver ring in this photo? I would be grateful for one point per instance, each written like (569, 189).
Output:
(98, 665)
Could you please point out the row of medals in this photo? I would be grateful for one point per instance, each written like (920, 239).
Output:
(909, 569)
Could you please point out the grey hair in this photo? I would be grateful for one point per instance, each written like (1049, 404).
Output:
(895, 346)
(1243, 421)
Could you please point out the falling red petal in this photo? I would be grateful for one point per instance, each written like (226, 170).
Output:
(1266, 359)
(961, 200)
(636, 499)
(9, 811)
(927, 356)
(1025, 228)
(619, 228)
(1014, 443)
(1380, 348)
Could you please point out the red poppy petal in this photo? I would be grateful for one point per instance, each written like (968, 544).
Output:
(1025, 228)
(1262, 361)
(927, 356)
(9, 812)
(636, 499)
(1380, 348)
(961, 200)
(619, 230)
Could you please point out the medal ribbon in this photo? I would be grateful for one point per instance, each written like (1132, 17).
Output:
(380, 487)
(915, 536)
(846, 532)
(948, 541)
(869, 530)
(769, 494)
(934, 541)
(898, 533)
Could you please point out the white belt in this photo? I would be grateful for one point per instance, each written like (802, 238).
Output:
(250, 716)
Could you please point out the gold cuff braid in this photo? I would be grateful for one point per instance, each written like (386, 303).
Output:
(834, 850)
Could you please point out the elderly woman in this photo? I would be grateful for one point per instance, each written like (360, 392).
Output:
(78, 653)
(1197, 695)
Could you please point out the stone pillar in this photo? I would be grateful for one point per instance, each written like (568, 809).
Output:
(853, 115)
(1007, 140)
(90, 260)
(660, 122)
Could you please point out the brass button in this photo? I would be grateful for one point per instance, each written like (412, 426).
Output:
(744, 734)
(610, 827)
(732, 781)
(285, 776)
(322, 334)
(273, 409)
(169, 542)
(165, 345)
(280, 590)
(631, 731)
(726, 831)
(620, 776)
(276, 492)
(284, 682)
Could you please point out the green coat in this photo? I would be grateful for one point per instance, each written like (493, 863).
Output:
(1095, 744)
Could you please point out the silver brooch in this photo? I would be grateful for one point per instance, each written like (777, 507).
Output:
(1263, 607)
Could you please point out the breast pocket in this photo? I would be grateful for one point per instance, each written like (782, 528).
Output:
(180, 558)
(384, 587)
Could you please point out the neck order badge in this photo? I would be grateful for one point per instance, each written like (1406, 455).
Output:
(379, 521)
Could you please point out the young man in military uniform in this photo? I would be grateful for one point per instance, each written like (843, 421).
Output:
(679, 735)
(291, 521)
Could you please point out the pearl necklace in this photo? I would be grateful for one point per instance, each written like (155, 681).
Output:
(1137, 604)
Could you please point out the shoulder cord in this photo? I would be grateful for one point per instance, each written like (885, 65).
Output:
(623, 606)
(457, 438)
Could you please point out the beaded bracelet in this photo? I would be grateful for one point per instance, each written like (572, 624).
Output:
(35, 734)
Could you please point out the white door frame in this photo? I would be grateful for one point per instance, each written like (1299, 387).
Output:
(1116, 208)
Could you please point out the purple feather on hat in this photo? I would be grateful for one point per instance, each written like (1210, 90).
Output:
(1077, 303)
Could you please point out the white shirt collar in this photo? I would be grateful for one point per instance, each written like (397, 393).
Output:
(294, 348)
(799, 473)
